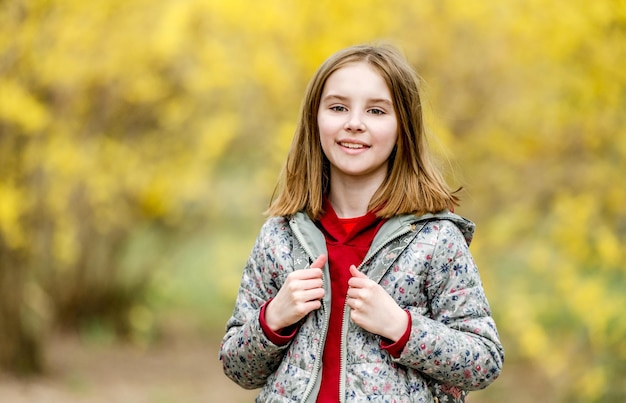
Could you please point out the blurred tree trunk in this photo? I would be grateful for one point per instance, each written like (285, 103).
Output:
(20, 343)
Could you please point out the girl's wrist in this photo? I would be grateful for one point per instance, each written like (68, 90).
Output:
(269, 318)
(400, 327)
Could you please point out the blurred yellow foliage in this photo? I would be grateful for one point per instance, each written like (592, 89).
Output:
(10, 214)
(21, 109)
(119, 115)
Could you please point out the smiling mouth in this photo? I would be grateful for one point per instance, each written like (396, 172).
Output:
(352, 145)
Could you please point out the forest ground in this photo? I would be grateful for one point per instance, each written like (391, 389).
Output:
(182, 371)
(177, 370)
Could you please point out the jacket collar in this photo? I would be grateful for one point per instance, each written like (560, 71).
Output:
(311, 234)
(396, 224)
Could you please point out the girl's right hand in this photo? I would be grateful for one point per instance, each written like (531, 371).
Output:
(300, 294)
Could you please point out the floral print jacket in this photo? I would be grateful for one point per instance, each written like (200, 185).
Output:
(423, 262)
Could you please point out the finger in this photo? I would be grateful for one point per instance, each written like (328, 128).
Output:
(312, 284)
(357, 282)
(313, 295)
(301, 309)
(302, 297)
(320, 261)
(313, 305)
(307, 274)
(354, 303)
(356, 273)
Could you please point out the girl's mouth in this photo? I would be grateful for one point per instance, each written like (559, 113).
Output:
(352, 145)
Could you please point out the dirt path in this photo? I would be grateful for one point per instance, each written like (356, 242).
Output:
(184, 371)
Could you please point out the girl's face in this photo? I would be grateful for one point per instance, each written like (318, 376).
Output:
(357, 124)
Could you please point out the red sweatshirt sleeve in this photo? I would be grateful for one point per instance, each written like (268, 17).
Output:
(395, 349)
(281, 337)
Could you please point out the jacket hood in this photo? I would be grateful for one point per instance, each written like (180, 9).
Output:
(466, 226)
(397, 223)
(401, 223)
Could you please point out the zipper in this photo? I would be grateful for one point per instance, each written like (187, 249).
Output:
(300, 239)
(320, 349)
(402, 231)
(342, 376)
(342, 368)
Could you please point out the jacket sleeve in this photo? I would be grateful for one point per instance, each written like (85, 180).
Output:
(247, 355)
(458, 343)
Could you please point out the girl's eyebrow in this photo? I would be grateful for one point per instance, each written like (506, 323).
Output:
(341, 98)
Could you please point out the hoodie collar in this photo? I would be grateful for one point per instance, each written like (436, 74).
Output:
(331, 224)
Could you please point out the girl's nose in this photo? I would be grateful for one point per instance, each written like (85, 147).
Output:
(354, 123)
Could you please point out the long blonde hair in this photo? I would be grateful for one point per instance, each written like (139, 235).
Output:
(413, 183)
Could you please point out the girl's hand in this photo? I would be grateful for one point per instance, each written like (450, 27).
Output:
(300, 294)
(373, 309)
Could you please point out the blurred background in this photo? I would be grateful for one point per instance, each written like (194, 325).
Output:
(140, 142)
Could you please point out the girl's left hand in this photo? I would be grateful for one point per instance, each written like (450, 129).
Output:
(373, 309)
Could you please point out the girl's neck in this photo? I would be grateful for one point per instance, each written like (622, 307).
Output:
(351, 198)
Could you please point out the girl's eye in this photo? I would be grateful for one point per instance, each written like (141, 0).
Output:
(338, 108)
(377, 111)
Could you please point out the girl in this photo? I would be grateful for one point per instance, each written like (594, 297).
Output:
(360, 286)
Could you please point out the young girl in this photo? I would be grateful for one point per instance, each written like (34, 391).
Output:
(360, 286)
